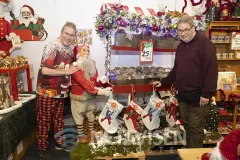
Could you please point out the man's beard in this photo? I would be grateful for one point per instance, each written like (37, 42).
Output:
(88, 65)
(27, 21)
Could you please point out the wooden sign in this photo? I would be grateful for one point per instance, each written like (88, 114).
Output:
(235, 45)
(146, 51)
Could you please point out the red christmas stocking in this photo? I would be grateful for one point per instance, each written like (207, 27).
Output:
(131, 116)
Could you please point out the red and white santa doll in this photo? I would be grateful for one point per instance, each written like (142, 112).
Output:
(6, 34)
(83, 91)
(227, 149)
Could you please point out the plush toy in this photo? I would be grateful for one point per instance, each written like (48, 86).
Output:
(227, 149)
(84, 90)
(6, 34)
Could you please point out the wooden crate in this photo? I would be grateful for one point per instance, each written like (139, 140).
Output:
(139, 155)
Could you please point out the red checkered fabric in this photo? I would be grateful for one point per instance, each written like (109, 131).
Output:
(49, 113)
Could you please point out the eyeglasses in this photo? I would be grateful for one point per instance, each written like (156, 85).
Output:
(70, 35)
(186, 31)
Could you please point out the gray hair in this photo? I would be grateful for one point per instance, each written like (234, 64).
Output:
(186, 19)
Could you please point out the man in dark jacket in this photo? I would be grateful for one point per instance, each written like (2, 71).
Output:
(195, 74)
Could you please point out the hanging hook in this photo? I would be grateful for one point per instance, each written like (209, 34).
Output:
(133, 88)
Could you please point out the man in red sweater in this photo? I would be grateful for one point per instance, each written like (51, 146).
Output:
(83, 91)
(195, 74)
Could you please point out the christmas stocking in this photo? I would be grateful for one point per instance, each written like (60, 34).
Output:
(171, 116)
(150, 114)
(131, 115)
(108, 116)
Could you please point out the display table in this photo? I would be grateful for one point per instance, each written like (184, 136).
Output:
(13, 74)
(193, 153)
(15, 126)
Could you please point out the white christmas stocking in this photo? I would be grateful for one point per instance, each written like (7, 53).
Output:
(131, 116)
(150, 114)
(171, 116)
(108, 116)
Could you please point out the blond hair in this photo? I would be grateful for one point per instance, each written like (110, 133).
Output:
(69, 24)
(186, 19)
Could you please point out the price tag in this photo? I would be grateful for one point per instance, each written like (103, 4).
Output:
(146, 51)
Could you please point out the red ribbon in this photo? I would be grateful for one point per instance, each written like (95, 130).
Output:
(195, 4)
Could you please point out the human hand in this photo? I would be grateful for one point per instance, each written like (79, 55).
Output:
(203, 101)
(104, 91)
(72, 69)
(156, 84)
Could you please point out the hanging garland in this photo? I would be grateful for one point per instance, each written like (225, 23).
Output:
(207, 5)
(195, 4)
(108, 56)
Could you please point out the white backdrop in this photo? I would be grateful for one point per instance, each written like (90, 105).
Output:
(82, 13)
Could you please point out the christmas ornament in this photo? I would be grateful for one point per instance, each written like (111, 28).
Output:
(122, 23)
(100, 28)
(155, 28)
(107, 25)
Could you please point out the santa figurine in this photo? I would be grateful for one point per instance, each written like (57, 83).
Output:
(6, 34)
(83, 91)
(227, 149)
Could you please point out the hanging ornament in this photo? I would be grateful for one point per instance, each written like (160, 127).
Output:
(100, 28)
(123, 23)
(134, 16)
(155, 28)
(107, 25)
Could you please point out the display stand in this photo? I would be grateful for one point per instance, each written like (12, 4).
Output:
(13, 74)
(235, 113)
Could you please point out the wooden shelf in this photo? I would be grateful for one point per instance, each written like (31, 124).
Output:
(222, 42)
(229, 59)
(138, 49)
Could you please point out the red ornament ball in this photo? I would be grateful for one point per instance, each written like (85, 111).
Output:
(155, 28)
